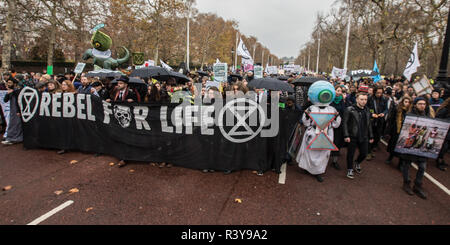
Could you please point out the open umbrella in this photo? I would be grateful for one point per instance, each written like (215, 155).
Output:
(202, 73)
(172, 74)
(306, 81)
(239, 77)
(270, 84)
(132, 80)
(104, 73)
(147, 72)
(362, 73)
(283, 78)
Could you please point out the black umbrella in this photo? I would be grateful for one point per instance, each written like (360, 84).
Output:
(172, 74)
(104, 73)
(362, 73)
(236, 76)
(148, 72)
(131, 80)
(270, 84)
(283, 78)
(202, 73)
(306, 81)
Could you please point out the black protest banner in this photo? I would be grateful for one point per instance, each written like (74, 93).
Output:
(187, 136)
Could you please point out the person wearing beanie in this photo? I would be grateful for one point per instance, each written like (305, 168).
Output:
(436, 100)
(420, 106)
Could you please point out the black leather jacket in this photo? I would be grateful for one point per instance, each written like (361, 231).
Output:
(351, 121)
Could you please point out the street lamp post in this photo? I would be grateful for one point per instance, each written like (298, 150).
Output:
(442, 78)
(318, 55)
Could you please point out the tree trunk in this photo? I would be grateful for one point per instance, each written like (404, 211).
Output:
(78, 49)
(7, 35)
(51, 44)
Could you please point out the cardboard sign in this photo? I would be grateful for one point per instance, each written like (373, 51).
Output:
(248, 67)
(258, 72)
(422, 86)
(79, 68)
(220, 72)
(50, 70)
(272, 70)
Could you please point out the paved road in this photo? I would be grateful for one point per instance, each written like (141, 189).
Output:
(143, 194)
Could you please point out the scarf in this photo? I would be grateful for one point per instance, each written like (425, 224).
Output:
(338, 99)
(399, 118)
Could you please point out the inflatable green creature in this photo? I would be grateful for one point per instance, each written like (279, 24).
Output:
(101, 52)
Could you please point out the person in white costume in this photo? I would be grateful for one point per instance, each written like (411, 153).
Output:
(315, 161)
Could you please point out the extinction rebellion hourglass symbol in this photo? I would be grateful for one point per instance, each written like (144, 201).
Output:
(29, 108)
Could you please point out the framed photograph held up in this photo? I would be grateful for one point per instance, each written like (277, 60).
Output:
(422, 136)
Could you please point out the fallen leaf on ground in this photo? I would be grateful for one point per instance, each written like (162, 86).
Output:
(111, 164)
(238, 200)
(73, 161)
(89, 209)
(7, 188)
(58, 192)
(74, 190)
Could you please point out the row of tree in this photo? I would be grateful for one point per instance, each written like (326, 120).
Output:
(59, 30)
(381, 30)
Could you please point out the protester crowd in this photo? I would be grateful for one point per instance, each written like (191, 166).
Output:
(370, 111)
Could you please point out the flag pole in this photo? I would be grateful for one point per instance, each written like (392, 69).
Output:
(348, 36)
(235, 55)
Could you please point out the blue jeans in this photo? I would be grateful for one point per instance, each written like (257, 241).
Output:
(419, 176)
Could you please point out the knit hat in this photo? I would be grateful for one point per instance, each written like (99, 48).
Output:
(419, 99)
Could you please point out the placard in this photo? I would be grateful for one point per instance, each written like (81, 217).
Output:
(79, 68)
(258, 71)
(220, 72)
(422, 86)
(422, 136)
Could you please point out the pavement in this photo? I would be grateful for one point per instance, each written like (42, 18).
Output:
(94, 191)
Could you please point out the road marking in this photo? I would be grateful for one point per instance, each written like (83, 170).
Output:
(282, 176)
(445, 189)
(429, 177)
(52, 212)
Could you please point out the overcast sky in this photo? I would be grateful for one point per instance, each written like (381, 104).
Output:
(283, 26)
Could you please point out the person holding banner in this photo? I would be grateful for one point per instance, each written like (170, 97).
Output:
(2, 121)
(15, 133)
(53, 87)
(419, 108)
(122, 92)
(85, 87)
(394, 124)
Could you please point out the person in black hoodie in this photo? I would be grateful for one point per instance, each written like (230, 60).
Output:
(419, 108)
(357, 130)
(377, 105)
